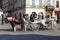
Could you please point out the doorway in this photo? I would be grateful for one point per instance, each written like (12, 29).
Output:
(58, 14)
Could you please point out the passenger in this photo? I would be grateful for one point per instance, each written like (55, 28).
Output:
(33, 16)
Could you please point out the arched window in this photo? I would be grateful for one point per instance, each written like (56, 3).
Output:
(16, 16)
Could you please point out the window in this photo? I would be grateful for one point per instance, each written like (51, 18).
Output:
(23, 3)
(20, 15)
(48, 2)
(57, 3)
(40, 2)
(15, 16)
(33, 2)
(20, 3)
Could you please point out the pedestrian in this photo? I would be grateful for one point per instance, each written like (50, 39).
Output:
(2, 19)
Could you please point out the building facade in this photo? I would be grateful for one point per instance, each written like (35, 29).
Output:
(18, 8)
(13, 7)
(57, 8)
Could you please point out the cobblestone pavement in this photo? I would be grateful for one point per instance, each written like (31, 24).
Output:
(29, 35)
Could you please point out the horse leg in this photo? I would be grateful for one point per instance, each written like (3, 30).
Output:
(13, 26)
(25, 27)
(22, 27)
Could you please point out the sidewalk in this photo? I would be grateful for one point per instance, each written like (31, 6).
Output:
(8, 26)
(42, 32)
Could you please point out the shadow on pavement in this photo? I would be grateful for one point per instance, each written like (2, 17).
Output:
(28, 37)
